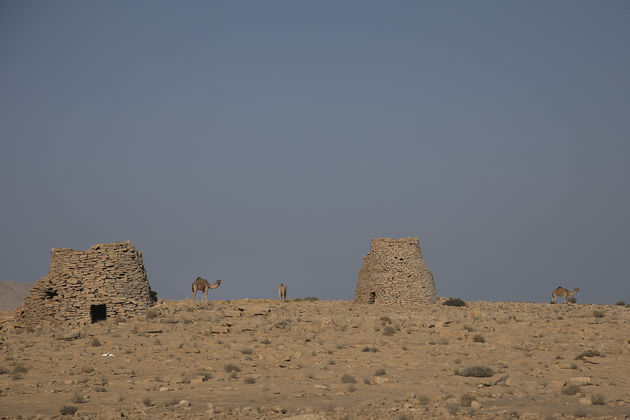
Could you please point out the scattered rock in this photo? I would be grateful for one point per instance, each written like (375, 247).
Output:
(579, 380)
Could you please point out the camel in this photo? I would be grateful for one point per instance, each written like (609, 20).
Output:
(282, 291)
(204, 286)
(564, 293)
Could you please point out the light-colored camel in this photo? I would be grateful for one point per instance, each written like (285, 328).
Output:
(563, 293)
(204, 286)
(282, 291)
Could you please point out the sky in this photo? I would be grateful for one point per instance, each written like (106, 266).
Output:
(268, 142)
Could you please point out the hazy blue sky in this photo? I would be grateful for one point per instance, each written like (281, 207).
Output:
(268, 142)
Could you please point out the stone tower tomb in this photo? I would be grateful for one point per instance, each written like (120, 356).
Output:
(87, 286)
(393, 272)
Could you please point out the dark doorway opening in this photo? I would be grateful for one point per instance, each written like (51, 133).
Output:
(372, 297)
(98, 313)
(51, 293)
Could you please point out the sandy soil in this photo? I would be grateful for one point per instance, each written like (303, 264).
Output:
(325, 360)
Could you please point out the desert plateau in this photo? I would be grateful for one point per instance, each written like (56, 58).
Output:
(317, 359)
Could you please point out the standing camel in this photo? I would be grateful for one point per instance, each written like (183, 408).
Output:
(563, 293)
(282, 291)
(204, 286)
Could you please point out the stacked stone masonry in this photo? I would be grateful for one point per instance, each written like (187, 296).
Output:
(107, 280)
(393, 272)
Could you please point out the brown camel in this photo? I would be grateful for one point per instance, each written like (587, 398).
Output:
(563, 293)
(282, 291)
(204, 286)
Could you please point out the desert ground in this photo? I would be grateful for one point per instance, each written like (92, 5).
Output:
(311, 359)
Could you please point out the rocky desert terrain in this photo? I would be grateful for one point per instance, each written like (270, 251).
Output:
(312, 359)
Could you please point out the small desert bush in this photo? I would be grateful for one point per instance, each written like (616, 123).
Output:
(18, 372)
(95, 342)
(348, 379)
(232, 368)
(249, 380)
(466, 400)
(621, 303)
(380, 372)
(572, 299)
(385, 320)
(571, 389)
(423, 400)
(233, 375)
(588, 353)
(3, 370)
(454, 302)
(368, 349)
(20, 369)
(205, 376)
(476, 372)
(469, 328)
(452, 409)
(598, 399)
(87, 369)
(147, 402)
(309, 299)
(598, 314)
(389, 330)
(478, 338)
(247, 351)
(170, 402)
(351, 388)
(68, 410)
(265, 341)
(78, 398)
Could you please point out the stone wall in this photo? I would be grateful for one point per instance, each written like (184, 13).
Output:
(393, 272)
(86, 286)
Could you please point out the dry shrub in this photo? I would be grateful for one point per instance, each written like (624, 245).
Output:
(571, 389)
(389, 330)
(588, 353)
(478, 338)
(598, 399)
(348, 379)
(232, 368)
(466, 400)
(454, 302)
(476, 371)
(78, 398)
(68, 410)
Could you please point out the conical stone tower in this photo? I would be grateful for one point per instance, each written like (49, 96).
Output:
(105, 281)
(393, 272)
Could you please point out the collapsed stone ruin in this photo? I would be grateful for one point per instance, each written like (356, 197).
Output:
(107, 280)
(393, 272)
